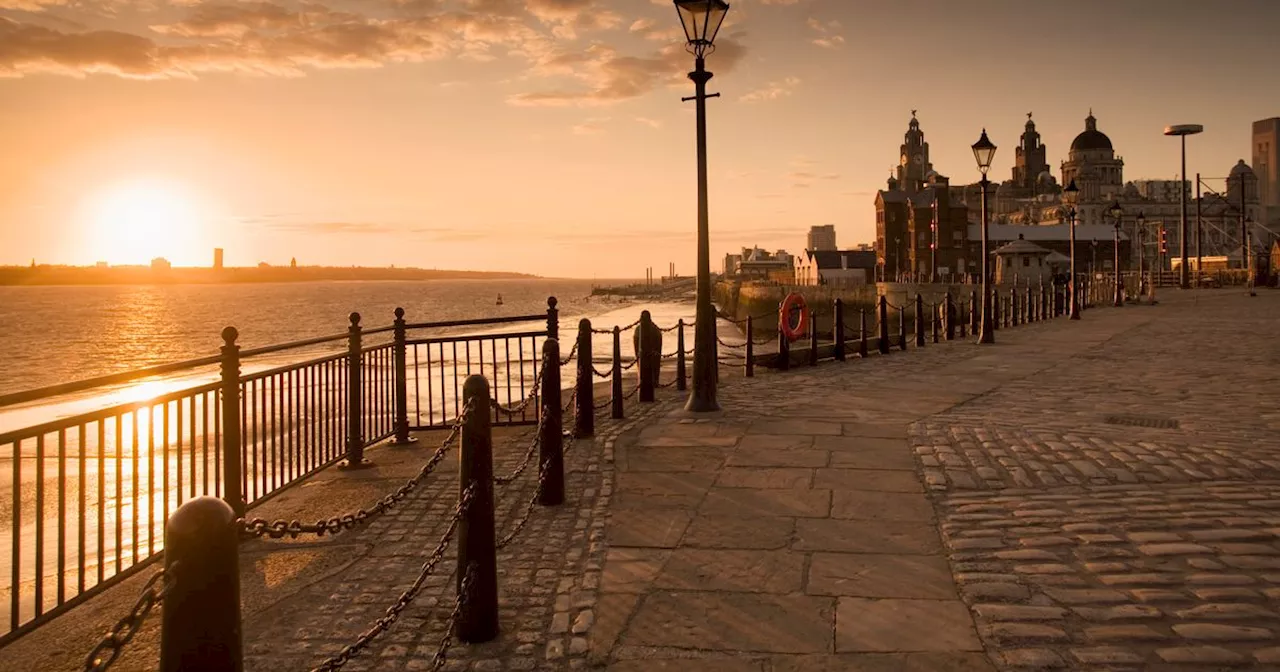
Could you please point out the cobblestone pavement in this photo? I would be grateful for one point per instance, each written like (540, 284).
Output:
(1100, 495)
(547, 576)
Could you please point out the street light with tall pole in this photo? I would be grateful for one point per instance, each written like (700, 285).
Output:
(701, 20)
(984, 151)
(1118, 213)
(1182, 131)
(1069, 196)
(1249, 264)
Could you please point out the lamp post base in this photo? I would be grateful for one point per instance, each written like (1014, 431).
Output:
(697, 404)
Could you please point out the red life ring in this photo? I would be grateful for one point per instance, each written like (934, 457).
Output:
(793, 302)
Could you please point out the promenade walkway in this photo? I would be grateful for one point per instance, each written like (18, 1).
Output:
(1094, 495)
(1099, 495)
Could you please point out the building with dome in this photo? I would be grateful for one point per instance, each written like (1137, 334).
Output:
(921, 208)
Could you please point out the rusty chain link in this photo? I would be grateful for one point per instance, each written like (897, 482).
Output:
(629, 365)
(528, 456)
(108, 649)
(572, 351)
(406, 598)
(607, 374)
(464, 592)
(259, 527)
(629, 327)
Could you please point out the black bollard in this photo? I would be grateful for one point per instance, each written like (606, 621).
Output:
(584, 412)
(784, 352)
(974, 309)
(681, 385)
(200, 628)
(919, 317)
(949, 314)
(615, 380)
(813, 339)
(477, 553)
(838, 330)
(644, 356)
(551, 446)
(553, 319)
(751, 350)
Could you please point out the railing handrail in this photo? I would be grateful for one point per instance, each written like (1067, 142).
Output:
(60, 389)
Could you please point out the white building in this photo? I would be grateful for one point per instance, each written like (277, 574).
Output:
(839, 268)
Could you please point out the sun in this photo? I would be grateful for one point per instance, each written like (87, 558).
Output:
(135, 221)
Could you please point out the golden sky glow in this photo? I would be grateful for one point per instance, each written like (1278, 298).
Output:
(548, 136)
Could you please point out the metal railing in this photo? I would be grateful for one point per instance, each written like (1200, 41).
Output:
(90, 492)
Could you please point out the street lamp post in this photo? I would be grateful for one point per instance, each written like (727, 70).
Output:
(1069, 195)
(983, 151)
(933, 245)
(1247, 250)
(701, 20)
(1118, 213)
(897, 259)
(1182, 131)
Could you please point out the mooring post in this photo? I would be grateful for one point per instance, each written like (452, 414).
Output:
(615, 378)
(355, 398)
(477, 552)
(401, 348)
(838, 329)
(681, 372)
(882, 318)
(200, 627)
(751, 351)
(919, 320)
(644, 356)
(551, 445)
(784, 350)
(584, 411)
(232, 479)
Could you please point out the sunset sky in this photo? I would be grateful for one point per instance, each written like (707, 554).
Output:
(548, 136)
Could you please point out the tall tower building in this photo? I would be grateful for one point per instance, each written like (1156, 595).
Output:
(821, 238)
(1266, 163)
(913, 165)
(1029, 158)
(217, 258)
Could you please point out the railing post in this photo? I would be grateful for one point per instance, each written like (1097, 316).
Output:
(355, 398)
(551, 447)
(644, 356)
(615, 377)
(882, 318)
(477, 552)
(200, 627)
(949, 314)
(813, 339)
(751, 350)
(936, 321)
(862, 332)
(838, 329)
(973, 312)
(681, 385)
(402, 382)
(902, 327)
(584, 411)
(232, 492)
(553, 318)
(919, 320)
(784, 351)
(1013, 307)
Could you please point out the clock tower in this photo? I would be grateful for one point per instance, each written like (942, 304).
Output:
(913, 159)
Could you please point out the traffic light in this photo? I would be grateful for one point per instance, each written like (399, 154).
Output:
(1164, 240)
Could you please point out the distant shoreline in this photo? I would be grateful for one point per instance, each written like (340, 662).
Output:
(142, 275)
